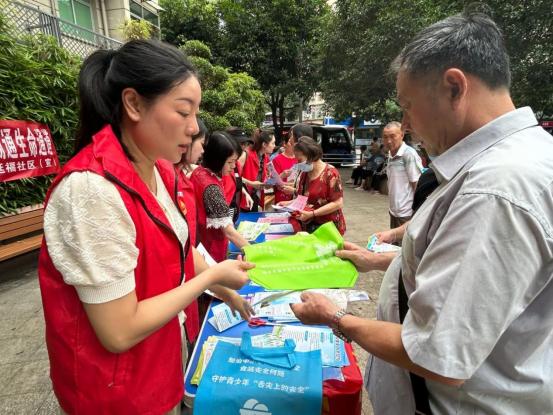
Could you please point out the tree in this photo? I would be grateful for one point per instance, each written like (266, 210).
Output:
(528, 29)
(137, 29)
(362, 38)
(228, 99)
(275, 42)
(183, 20)
(360, 41)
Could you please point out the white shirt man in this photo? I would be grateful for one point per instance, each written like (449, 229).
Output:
(404, 170)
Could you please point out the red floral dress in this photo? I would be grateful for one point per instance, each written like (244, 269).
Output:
(324, 189)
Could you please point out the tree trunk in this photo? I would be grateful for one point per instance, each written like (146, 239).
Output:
(274, 110)
(281, 112)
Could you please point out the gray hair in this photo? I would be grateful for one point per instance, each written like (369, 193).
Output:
(393, 124)
(471, 42)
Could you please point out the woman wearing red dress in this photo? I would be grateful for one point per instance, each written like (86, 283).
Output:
(254, 173)
(215, 218)
(322, 185)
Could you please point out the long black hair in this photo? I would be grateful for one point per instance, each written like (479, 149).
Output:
(220, 146)
(150, 67)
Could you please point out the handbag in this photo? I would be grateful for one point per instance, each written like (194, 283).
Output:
(248, 380)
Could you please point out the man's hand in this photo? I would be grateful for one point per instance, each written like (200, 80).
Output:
(363, 259)
(314, 309)
(388, 236)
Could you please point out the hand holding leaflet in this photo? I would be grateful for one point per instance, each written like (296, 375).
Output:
(274, 178)
(296, 205)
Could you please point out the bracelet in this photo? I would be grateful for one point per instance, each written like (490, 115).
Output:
(313, 212)
(335, 321)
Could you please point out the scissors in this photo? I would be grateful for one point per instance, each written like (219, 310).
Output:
(267, 300)
(258, 322)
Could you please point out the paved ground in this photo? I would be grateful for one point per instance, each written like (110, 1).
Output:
(24, 382)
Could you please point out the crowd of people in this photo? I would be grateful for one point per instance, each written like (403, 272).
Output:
(464, 323)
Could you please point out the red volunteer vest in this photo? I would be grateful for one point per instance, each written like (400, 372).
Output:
(214, 240)
(250, 170)
(148, 378)
(187, 205)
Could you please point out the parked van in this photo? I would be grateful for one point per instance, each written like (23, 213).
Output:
(335, 140)
(337, 145)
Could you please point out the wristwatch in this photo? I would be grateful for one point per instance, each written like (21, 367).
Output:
(335, 321)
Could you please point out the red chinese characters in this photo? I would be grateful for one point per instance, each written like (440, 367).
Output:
(26, 150)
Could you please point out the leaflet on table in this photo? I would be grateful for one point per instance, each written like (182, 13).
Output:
(295, 205)
(263, 340)
(223, 318)
(279, 228)
(273, 219)
(333, 373)
(338, 297)
(379, 248)
(274, 178)
(277, 215)
(333, 351)
(251, 230)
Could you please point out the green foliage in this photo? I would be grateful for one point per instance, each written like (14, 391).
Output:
(228, 99)
(137, 29)
(38, 82)
(273, 41)
(196, 48)
(183, 20)
(362, 38)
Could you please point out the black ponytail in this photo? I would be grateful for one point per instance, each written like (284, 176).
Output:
(150, 67)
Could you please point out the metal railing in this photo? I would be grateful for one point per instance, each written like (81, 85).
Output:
(78, 40)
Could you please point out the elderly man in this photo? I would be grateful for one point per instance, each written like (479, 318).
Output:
(477, 257)
(404, 170)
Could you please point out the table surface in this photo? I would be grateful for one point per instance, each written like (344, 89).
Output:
(251, 217)
(236, 331)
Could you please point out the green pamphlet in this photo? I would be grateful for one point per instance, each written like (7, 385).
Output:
(301, 261)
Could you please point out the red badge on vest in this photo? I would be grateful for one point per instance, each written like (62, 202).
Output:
(182, 205)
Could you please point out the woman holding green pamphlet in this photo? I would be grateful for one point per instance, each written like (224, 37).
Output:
(117, 266)
(322, 185)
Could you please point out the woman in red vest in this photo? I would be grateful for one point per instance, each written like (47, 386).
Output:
(284, 162)
(215, 217)
(235, 193)
(116, 263)
(185, 168)
(254, 173)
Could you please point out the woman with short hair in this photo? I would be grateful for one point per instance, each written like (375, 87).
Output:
(321, 183)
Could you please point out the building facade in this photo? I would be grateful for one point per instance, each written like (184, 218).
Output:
(105, 17)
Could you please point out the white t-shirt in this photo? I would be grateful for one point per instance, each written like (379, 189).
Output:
(403, 169)
(91, 236)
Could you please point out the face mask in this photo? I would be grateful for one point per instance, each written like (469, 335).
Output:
(304, 167)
